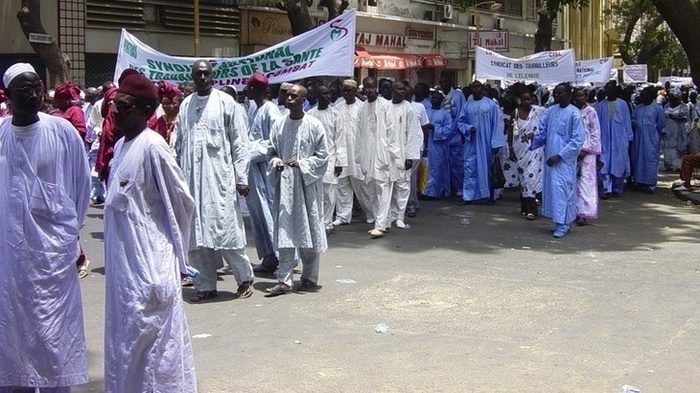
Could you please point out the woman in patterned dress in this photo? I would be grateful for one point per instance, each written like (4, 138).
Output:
(526, 120)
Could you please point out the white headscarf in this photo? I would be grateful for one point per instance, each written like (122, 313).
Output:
(16, 70)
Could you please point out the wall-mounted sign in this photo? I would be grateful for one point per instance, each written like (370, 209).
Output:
(381, 40)
(40, 38)
(493, 40)
(415, 34)
(267, 28)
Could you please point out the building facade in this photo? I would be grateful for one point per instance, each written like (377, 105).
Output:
(418, 40)
(88, 31)
(588, 31)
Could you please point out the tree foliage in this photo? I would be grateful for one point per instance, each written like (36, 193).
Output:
(683, 18)
(298, 12)
(545, 21)
(645, 37)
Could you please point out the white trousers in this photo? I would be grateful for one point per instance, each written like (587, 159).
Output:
(343, 199)
(310, 265)
(207, 260)
(382, 206)
(366, 196)
(329, 202)
(399, 197)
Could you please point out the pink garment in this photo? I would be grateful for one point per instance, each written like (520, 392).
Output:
(587, 190)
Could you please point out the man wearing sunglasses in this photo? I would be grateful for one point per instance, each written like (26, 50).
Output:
(46, 181)
(147, 225)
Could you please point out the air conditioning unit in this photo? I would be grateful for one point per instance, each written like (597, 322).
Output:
(447, 12)
(429, 15)
(500, 23)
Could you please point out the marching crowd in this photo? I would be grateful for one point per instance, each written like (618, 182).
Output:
(299, 158)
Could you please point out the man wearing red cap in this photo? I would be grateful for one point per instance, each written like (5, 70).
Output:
(260, 198)
(46, 185)
(66, 99)
(147, 224)
(212, 148)
(170, 99)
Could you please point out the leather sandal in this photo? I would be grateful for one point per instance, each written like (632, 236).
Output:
(203, 295)
(279, 289)
(244, 291)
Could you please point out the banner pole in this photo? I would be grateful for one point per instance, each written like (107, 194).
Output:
(196, 28)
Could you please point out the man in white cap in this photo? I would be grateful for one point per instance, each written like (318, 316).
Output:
(282, 98)
(351, 181)
(45, 175)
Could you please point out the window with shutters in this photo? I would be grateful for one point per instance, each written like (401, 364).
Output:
(512, 7)
(508, 7)
(532, 7)
(216, 17)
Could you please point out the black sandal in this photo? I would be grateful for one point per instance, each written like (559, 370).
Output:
(203, 295)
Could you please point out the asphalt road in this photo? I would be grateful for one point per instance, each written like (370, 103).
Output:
(492, 305)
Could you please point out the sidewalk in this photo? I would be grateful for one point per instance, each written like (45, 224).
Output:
(692, 196)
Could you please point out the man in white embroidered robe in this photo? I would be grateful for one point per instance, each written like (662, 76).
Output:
(351, 181)
(337, 152)
(377, 133)
(408, 140)
(298, 163)
(46, 188)
(148, 212)
(212, 148)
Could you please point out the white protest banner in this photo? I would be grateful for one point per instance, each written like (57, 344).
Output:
(544, 67)
(593, 71)
(634, 73)
(676, 80)
(326, 50)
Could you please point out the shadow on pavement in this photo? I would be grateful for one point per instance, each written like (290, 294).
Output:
(483, 229)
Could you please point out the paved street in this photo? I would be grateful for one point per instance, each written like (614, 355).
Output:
(492, 305)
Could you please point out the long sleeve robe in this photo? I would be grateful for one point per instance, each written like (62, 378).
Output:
(438, 185)
(148, 215)
(298, 203)
(46, 188)
(674, 138)
(650, 121)
(404, 144)
(615, 137)
(259, 200)
(335, 141)
(562, 133)
(454, 103)
(375, 135)
(587, 183)
(212, 147)
(485, 116)
(349, 128)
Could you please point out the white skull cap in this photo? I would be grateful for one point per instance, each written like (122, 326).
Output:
(16, 70)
